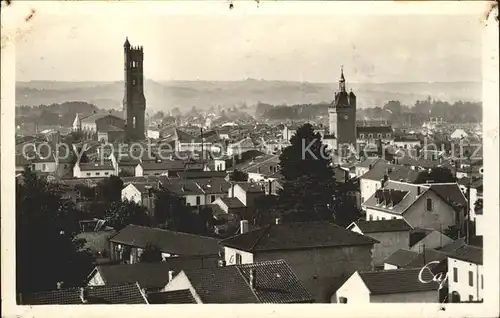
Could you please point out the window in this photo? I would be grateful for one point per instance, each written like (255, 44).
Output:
(133, 122)
(388, 135)
(212, 198)
(471, 278)
(134, 82)
(370, 217)
(471, 298)
(455, 275)
(97, 173)
(370, 136)
(44, 167)
(343, 300)
(197, 200)
(379, 135)
(238, 258)
(429, 204)
(393, 217)
(106, 173)
(88, 173)
(361, 136)
(482, 282)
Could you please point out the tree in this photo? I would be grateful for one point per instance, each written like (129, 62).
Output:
(151, 254)
(238, 176)
(110, 189)
(171, 210)
(122, 213)
(47, 250)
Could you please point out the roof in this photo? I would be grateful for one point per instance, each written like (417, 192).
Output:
(250, 187)
(383, 226)
(183, 187)
(213, 186)
(469, 253)
(148, 275)
(453, 246)
(182, 296)
(401, 257)
(449, 192)
(292, 236)
(396, 197)
(110, 128)
(96, 166)
(394, 172)
(143, 187)
(163, 165)
(373, 129)
(396, 281)
(94, 117)
(275, 282)
(201, 174)
(370, 161)
(259, 161)
(120, 294)
(232, 203)
(177, 243)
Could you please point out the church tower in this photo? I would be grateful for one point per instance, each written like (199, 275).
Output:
(134, 103)
(342, 115)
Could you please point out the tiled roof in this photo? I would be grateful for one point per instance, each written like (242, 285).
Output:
(427, 256)
(383, 226)
(182, 296)
(92, 118)
(183, 187)
(401, 258)
(260, 161)
(290, 236)
(120, 294)
(373, 129)
(213, 186)
(201, 174)
(469, 253)
(163, 165)
(177, 243)
(370, 161)
(232, 203)
(395, 281)
(148, 275)
(453, 246)
(96, 166)
(250, 187)
(275, 282)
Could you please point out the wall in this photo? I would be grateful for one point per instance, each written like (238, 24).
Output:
(372, 214)
(45, 166)
(240, 194)
(390, 242)
(462, 285)
(220, 165)
(230, 256)
(191, 199)
(361, 171)
(430, 296)
(441, 217)
(389, 266)
(354, 289)
(314, 265)
(368, 188)
(131, 194)
(94, 173)
(180, 282)
(96, 279)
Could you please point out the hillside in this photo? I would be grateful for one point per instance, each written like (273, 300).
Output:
(204, 94)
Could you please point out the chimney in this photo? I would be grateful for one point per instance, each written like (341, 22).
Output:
(83, 295)
(370, 167)
(418, 190)
(170, 275)
(243, 226)
(253, 278)
(278, 221)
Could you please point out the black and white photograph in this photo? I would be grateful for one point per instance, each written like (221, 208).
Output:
(227, 152)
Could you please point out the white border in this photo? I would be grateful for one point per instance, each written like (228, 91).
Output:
(13, 27)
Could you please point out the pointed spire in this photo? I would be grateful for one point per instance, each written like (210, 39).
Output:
(342, 79)
(127, 43)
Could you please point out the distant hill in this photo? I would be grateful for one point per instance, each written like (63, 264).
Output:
(204, 94)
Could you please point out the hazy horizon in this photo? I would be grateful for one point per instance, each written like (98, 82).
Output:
(86, 47)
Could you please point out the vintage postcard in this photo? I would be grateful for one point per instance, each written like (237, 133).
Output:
(322, 158)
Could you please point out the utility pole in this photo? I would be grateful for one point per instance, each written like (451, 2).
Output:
(202, 152)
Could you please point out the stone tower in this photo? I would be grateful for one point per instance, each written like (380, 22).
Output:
(342, 115)
(134, 103)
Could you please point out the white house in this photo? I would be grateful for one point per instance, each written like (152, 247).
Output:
(93, 170)
(465, 274)
(432, 206)
(392, 235)
(459, 134)
(388, 286)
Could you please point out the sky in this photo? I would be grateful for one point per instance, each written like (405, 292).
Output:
(87, 45)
